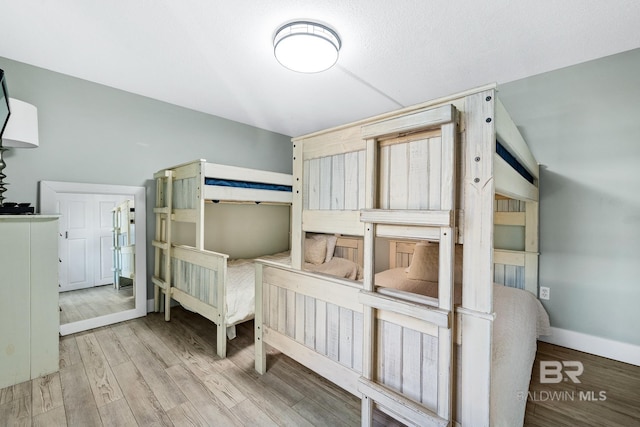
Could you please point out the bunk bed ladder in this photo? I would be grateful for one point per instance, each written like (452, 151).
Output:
(374, 392)
(162, 243)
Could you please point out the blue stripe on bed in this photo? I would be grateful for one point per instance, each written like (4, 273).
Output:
(513, 162)
(246, 184)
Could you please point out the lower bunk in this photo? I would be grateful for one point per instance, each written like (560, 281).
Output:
(318, 321)
(223, 289)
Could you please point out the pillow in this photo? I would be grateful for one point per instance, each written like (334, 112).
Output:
(331, 240)
(425, 263)
(315, 250)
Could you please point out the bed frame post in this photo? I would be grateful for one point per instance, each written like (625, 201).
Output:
(261, 355)
(297, 236)
(531, 247)
(221, 332)
(368, 314)
(477, 292)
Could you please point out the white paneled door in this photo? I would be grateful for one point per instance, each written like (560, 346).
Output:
(84, 242)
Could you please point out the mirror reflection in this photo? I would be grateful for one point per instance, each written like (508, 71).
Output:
(97, 255)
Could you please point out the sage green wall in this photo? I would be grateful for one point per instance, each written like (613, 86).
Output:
(95, 134)
(583, 126)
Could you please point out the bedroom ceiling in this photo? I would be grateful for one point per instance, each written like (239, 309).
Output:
(217, 57)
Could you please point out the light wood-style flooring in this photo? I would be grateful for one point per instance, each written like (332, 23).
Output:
(92, 302)
(608, 393)
(148, 372)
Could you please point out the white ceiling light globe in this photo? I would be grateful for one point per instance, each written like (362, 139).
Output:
(306, 47)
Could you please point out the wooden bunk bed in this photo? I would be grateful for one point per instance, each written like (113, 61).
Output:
(124, 248)
(425, 173)
(210, 282)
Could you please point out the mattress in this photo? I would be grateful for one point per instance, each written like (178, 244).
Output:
(241, 292)
(246, 184)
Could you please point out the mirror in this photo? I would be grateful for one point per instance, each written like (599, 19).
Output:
(99, 226)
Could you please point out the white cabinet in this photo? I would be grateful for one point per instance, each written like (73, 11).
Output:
(29, 312)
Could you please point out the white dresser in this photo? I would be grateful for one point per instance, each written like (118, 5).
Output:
(29, 312)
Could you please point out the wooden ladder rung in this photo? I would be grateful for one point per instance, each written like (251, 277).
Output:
(437, 316)
(400, 405)
(163, 210)
(160, 245)
(159, 282)
(426, 218)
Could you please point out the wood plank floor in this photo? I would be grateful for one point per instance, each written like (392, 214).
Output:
(88, 303)
(608, 393)
(148, 372)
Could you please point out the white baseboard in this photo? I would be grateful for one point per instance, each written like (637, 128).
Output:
(616, 350)
(150, 305)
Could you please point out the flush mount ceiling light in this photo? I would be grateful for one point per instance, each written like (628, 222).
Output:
(306, 47)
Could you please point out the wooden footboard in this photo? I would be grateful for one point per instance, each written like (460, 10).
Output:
(318, 321)
(197, 280)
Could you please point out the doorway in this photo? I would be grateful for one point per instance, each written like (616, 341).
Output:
(76, 200)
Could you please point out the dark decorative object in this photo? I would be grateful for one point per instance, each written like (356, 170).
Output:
(5, 112)
(10, 208)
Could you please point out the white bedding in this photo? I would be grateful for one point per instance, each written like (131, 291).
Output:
(241, 290)
(520, 320)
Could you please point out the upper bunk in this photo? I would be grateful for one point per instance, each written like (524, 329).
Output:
(199, 181)
(404, 149)
(183, 190)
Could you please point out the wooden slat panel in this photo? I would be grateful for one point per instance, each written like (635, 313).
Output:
(357, 341)
(290, 320)
(309, 322)
(410, 122)
(299, 323)
(325, 182)
(351, 180)
(338, 182)
(282, 305)
(312, 183)
(384, 172)
(333, 332)
(435, 165)
(321, 326)
(346, 348)
(433, 218)
(390, 352)
(332, 142)
(361, 179)
(509, 218)
(328, 289)
(398, 176)
(419, 179)
(325, 221)
(429, 372)
(411, 364)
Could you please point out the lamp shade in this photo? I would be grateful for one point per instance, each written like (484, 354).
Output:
(306, 47)
(22, 129)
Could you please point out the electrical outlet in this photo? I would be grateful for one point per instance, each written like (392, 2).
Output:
(544, 292)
